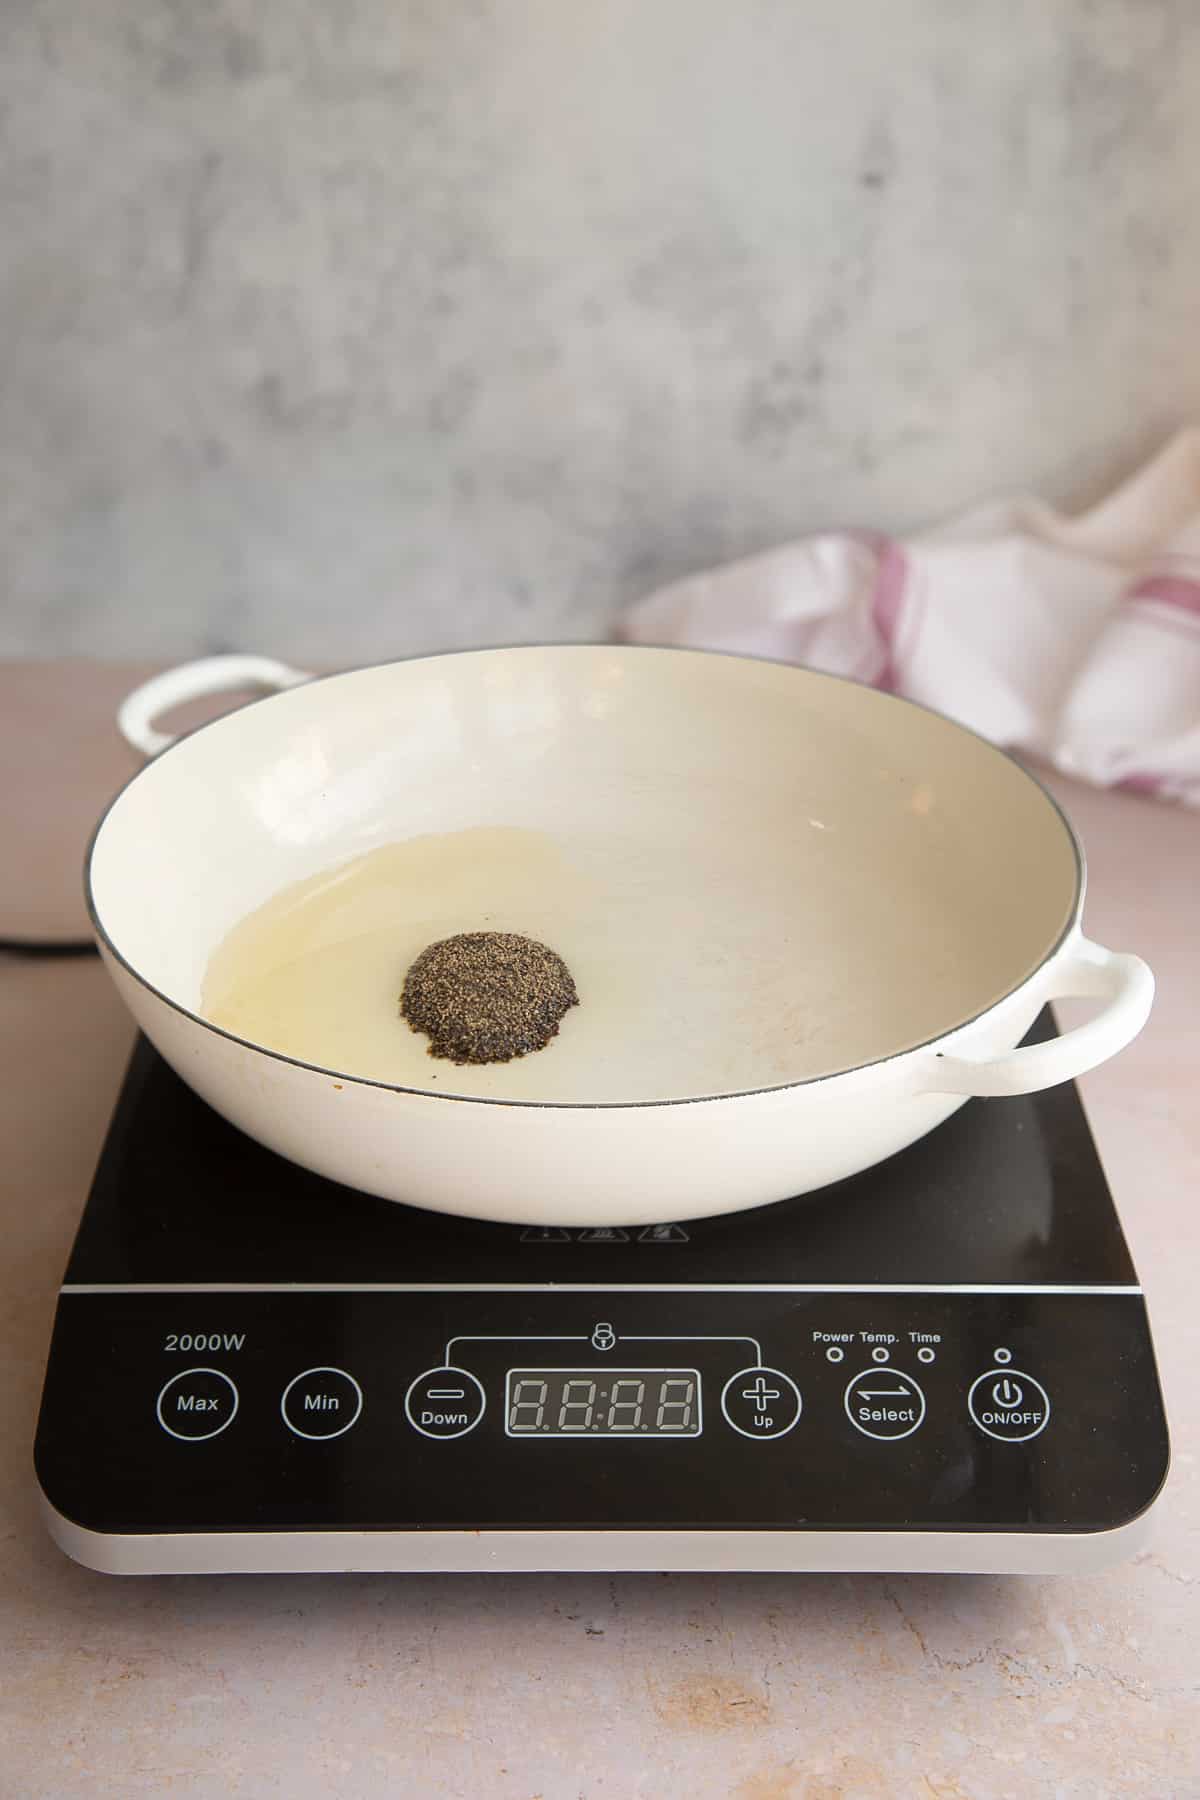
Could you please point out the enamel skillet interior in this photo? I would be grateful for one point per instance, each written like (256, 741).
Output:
(758, 875)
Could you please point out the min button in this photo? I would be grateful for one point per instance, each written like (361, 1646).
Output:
(321, 1403)
(197, 1404)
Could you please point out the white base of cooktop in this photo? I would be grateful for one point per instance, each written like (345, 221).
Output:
(602, 1552)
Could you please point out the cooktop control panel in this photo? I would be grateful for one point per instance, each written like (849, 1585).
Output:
(289, 1409)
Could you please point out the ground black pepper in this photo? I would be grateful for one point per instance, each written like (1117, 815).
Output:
(487, 996)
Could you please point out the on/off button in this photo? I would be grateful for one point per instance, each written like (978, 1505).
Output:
(1009, 1405)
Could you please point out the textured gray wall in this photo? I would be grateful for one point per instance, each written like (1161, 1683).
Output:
(355, 329)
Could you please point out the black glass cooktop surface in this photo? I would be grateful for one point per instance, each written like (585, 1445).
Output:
(1007, 1191)
(953, 1342)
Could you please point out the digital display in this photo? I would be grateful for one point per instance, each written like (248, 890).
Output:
(603, 1403)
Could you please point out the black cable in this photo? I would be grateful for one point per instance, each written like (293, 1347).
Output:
(48, 947)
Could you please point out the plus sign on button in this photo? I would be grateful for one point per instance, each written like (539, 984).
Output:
(761, 1403)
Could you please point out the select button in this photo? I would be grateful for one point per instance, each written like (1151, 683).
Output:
(321, 1403)
(884, 1403)
(197, 1404)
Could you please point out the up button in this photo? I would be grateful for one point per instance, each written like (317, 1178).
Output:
(761, 1403)
(1009, 1405)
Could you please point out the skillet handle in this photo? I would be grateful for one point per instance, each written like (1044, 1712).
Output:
(1089, 971)
(192, 681)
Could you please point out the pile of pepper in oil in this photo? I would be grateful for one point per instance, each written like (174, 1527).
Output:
(487, 996)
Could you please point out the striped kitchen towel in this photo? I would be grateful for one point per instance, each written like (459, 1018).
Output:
(1074, 639)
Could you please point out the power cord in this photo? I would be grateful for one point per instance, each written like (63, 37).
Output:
(47, 947)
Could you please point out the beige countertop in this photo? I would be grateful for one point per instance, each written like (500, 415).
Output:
(576, 1687)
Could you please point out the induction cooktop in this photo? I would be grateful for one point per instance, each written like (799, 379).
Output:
(942, 1363)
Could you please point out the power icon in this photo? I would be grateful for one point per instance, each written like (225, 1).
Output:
(1009, 1405)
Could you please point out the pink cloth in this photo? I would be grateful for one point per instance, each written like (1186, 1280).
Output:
(1075, 639)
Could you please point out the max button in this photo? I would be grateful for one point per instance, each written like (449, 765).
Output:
(197, 1404)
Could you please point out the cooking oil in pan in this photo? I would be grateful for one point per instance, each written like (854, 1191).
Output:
(700, 970)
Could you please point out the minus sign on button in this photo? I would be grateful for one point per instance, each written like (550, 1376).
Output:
(447, 1394)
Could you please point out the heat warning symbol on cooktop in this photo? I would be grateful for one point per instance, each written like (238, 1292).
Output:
(883, 1402)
